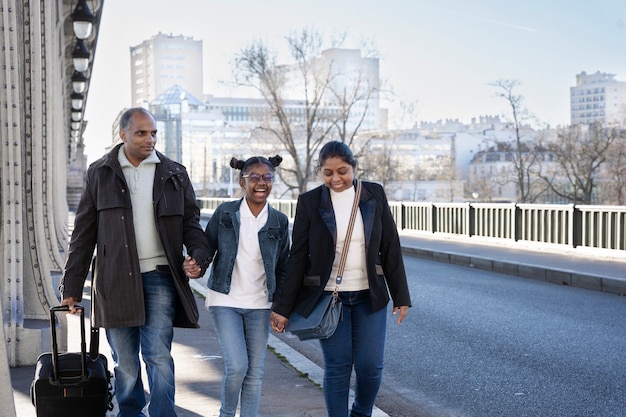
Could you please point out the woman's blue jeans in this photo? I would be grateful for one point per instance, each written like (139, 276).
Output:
(243, 336)
(154, 339)
(358, 342)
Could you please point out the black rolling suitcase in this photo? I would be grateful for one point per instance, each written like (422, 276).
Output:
(72, 383)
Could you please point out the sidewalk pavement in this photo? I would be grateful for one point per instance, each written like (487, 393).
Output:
(594, 269)
(292, 383)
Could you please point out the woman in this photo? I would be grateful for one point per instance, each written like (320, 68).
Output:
(250, 243)
(374, 263)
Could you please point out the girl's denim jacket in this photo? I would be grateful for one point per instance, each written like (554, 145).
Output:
(223, 235)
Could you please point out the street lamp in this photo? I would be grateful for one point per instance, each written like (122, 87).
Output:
(77, 101)
(83, 20)
(76, 115)
(79, 82)
(80, 56)
(475, 196)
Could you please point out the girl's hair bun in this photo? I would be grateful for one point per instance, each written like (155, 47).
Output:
(236, 163)
(275, 160)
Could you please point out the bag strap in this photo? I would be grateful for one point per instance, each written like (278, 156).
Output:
(346, 242)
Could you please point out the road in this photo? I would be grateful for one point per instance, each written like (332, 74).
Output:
(481, 344)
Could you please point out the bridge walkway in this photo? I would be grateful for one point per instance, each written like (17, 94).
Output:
(286, 390)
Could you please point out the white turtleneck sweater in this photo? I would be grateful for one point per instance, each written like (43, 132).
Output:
(355, 273)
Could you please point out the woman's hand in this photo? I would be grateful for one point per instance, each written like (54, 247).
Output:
(278, 322)
(404, 310)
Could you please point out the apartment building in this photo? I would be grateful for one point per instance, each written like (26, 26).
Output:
(163, 61)
(598, 97)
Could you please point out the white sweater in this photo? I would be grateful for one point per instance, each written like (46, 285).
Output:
(355, 272)
(140, 181)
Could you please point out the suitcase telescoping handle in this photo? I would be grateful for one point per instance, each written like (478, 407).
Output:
(56, 376)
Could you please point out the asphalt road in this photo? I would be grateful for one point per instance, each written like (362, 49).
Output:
(481, 344)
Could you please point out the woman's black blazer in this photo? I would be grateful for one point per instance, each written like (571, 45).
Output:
(313, 250)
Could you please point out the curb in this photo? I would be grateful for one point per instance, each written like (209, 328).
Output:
(538, 272)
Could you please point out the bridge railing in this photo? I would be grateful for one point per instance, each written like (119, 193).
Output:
(566, 225)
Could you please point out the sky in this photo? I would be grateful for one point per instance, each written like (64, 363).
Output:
(440, 55)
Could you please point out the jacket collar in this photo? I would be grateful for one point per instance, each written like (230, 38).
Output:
(367, 206)
(164, 170)
(234, 210)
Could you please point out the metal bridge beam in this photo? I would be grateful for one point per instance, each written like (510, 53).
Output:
(36, 151)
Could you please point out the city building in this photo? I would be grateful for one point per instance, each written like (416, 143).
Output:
(411, 166)
(350, 82)
(598, 97)
(163, 61)
(205, 135)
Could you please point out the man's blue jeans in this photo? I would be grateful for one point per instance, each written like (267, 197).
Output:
(154, 339)
(243, 336)
(358, 342)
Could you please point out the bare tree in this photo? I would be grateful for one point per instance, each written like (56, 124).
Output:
(378, 159)
(524, 157)
(579, 153)
(309, 101)
(614, 178)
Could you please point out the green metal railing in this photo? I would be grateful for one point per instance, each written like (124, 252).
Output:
(569, 225)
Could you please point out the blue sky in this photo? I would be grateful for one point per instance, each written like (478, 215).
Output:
(440, 54)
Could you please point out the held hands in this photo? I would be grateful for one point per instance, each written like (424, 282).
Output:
(278, 322)
(191, 267)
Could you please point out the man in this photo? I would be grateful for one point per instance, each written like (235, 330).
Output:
(138, 208)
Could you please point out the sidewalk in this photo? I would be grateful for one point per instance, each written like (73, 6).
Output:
(578, 267)
(198, 361)
(291, 384)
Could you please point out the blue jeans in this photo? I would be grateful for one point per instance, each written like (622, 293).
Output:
(154, 339)
(358, 342)
(243, 336)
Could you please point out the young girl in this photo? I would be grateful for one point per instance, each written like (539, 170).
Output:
(249, 244)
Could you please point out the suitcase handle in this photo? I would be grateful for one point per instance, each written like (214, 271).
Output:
(56, 377)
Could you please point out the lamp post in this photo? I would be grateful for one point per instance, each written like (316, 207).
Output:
(475, 196)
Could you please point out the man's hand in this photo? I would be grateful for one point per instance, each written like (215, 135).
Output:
(71, 302)
(191, 267)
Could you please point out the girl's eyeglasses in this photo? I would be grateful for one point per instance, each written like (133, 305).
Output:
(257, 177)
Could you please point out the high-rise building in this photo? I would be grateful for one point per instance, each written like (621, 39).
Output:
(163, 61)
(598, 97)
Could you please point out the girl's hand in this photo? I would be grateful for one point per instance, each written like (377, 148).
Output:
(278, 322)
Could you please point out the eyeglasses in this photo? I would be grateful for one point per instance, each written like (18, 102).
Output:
(257, 177)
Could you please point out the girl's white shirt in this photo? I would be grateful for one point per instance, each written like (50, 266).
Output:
(248, 288)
